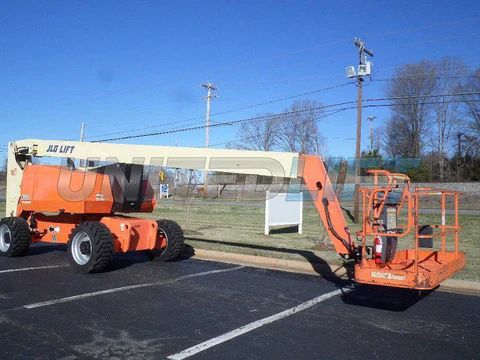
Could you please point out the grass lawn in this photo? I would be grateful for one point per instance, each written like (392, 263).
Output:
(238, 227)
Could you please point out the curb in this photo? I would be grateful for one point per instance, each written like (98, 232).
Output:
(323, 269)
(294, 266)
(458, 285)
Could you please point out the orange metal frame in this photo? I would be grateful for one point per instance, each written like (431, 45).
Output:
(416, 267)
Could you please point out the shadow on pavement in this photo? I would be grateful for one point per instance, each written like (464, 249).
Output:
(378, 297)
(383, 297)
(319, 265)
(120, 261)
(41, 249)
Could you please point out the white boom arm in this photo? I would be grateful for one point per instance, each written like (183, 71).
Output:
(266, 163)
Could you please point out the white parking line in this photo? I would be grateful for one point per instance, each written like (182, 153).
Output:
(253, 325)
(32, 268)
(125, 288)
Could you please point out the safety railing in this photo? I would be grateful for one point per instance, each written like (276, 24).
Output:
(374, 199)
(445, 229)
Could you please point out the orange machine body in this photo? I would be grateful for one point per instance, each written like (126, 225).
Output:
(49, 188)
(55, 200)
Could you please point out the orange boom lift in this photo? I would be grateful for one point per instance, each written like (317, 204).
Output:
(86, 208)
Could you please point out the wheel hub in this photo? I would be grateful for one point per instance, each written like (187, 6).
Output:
(81, 248)
(85, 248)
(5, 238)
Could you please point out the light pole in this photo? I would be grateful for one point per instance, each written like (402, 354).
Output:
(82, 131)
(210, 89)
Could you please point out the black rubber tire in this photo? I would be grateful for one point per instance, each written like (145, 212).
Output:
(101, 247)
(20, 236)
(175, 241)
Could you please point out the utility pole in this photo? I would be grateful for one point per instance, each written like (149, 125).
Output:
(363, 70)
(210, 95)
(210, 88)
(371, 118)
(82, 131)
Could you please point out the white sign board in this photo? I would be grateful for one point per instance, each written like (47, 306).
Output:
(163, 191)
(283, 209)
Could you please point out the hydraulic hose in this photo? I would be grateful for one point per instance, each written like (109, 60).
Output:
(346, 243)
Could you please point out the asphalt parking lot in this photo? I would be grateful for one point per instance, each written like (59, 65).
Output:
(192, 309)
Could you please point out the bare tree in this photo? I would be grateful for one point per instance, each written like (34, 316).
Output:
(396, 143)
(3, 170)
(259, 135)
(473, 113)
(294, 130)
(187, 190)
(410, 112)
(299, 130)
(447, 116)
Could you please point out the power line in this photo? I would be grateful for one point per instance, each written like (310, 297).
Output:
(352, 108)
(189, 120)
(260, 118)
(435, 65)
(228, 111)
(317, 108)
(225, 123)
(342, 110)
(415, 77)
(423, 96)
(424, 103)
(303, 122)
(231, 123)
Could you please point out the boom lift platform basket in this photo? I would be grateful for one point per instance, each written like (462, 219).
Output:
(420, 266)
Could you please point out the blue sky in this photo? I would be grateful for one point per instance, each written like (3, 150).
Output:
(123, 65)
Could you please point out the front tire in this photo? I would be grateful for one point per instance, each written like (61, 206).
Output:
(15, 236)
(175, 241)
(90, 247)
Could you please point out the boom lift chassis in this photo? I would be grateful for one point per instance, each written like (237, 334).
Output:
(86, 208)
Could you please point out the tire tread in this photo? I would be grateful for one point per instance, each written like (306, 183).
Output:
(176, 239)
(102, 246)
(20, 233)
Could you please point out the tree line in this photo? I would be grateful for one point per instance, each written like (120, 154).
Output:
(295, 130)
(434, 119)
(442, 132)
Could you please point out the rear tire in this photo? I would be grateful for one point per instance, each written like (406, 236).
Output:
(90, 247)
(175, 241)
(15, 236)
